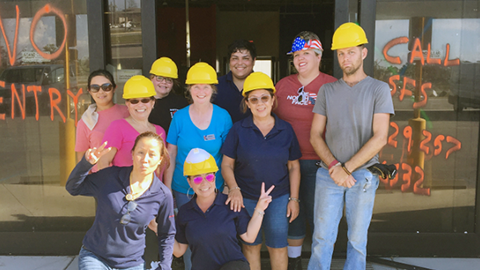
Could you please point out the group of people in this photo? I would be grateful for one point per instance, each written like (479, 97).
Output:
(243, 160)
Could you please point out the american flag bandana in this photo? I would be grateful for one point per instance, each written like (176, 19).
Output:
(299, 44)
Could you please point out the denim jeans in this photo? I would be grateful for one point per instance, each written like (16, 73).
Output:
(329, 202)
(274, 224)
(298, 228)
(87, 260)
(181, 199)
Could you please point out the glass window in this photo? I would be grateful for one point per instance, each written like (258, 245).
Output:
(429, 57)
(125, 57)
(264, 65)
(38, 114)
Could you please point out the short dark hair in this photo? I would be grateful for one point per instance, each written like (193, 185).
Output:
(242, 44)
(101, 72)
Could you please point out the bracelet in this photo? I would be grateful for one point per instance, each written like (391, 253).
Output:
(232, 189)
(333, 163)
(345, 169)
(260, 212)
(294, 199)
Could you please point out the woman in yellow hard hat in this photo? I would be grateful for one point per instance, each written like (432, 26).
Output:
(138, 93)
(128, 198)
(201, 124)
(164, 76)
(96, 119)
(207, 225)
(263, 148)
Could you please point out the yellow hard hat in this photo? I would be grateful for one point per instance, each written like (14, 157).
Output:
(201, 73)
(255, 81)
(164, 67)
(138, 86)
(348, 35)
(199, 161)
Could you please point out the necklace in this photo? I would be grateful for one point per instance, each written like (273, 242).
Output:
(142, 188)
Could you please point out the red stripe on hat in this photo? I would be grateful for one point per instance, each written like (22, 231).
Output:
(314, 44)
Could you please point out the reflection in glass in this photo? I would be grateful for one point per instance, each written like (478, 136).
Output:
(431, 64)
(37, 116)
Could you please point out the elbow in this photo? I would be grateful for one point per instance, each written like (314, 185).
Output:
(315, 138)
(384, 143)
(248, 239)
(312, 140)
(177, 253)
(383, 140)
(71, 191)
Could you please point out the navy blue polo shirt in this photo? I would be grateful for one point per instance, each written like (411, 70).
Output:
(212, 236)
(123, 246)
(230, 98)
(262, 159)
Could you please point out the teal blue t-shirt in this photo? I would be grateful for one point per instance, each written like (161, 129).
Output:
(186, 136)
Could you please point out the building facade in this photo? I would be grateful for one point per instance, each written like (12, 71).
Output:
(426, 50)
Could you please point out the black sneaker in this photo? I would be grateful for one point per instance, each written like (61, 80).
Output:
(295, 263)
(178, 264)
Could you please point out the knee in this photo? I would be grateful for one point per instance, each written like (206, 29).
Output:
(358, 240)
(278, 252)
(252, 248)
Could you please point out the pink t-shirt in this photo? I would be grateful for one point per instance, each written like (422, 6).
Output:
(121, 135)
(295, 105)
(87, 138)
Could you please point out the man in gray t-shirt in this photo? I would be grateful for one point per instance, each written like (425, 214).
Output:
(355, 112)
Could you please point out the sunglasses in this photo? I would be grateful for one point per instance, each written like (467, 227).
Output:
(300, 91)
(264, 99)
(209, 177)
(131, 205)
(161, 78)
(106, 87)
(143, 100)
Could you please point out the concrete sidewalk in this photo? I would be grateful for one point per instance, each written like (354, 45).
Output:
(71, 263)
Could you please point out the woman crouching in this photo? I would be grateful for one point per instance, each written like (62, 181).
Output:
(128, 198)
(207, 224)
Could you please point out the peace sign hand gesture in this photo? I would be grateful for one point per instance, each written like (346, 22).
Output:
(94, 154)
(265, 197)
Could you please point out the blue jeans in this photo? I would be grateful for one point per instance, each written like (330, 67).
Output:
(181, 199)
(275, 222)
(87, 260)
(329, 202)
(298, 228)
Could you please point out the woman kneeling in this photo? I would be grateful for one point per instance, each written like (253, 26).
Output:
(207, 224)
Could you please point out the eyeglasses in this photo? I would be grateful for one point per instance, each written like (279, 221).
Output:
(300, 92)
(264, 99)
(161, 78)
(131, 205)
(198, 180)
(106, 87)
(143, 100)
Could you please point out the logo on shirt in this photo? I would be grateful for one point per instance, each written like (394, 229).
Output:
(172, 112)
(303, 98)
(210, 137)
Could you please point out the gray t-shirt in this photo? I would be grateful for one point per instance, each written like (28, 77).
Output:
(349, 112)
